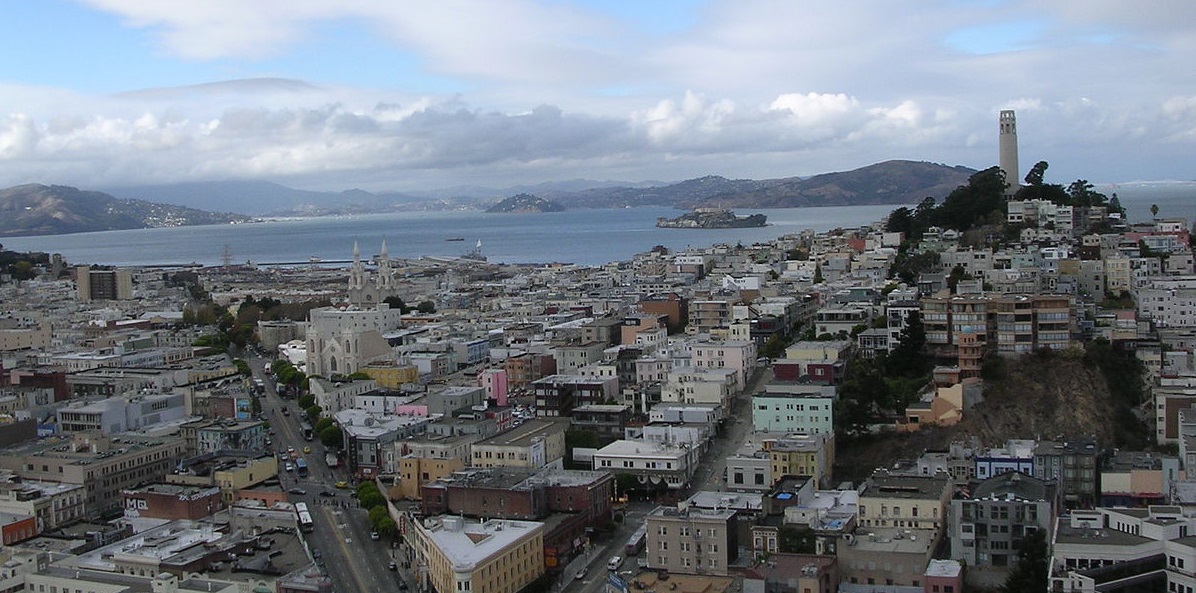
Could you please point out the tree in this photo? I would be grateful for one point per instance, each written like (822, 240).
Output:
(774, 347)
(396, 302)
(1154, 210)
(331, 436)
(313, 413)
(426, 307)
(957, 273)
(818, 279)
(1031, 574)
(1037, 173)
(371, 499)
(322, 424)
(307, 401)
(792, 540)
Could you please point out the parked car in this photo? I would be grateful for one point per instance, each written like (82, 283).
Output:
(581, 573)
(614, 563)
(327, 493)
(297, 491)
(342, 484)
(392, 565)
(374, 536)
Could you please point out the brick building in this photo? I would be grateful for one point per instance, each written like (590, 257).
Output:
(172, 501)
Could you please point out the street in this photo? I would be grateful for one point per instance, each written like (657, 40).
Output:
(341, 537)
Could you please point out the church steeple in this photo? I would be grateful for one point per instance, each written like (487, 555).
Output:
(357, 273)
(384, 273)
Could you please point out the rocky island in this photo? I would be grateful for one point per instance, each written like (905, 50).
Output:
(712, 218)
(526, 203)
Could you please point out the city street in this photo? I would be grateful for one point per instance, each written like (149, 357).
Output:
(342, 534)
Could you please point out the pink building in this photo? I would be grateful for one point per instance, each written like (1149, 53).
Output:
(738, 356)
(494, 381)
(943, 576)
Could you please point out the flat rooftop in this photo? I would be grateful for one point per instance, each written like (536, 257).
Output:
(894, 540)
(526, 433)
(643, 449)
(467, 543)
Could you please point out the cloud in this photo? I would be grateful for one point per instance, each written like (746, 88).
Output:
(547, 89)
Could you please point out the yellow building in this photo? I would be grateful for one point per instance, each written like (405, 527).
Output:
(455, 555)
(414, 472)
(802, 455)
(391, 376)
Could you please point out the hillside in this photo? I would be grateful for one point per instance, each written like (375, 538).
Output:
(1035, 396)
(890, 182)
(525, 203)
(55, 210)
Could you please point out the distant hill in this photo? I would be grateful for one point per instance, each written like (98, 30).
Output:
(890, 182)
(526, 203)
(263, 198)
(56, 209)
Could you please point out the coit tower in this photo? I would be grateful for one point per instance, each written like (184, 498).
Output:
(1008, 151)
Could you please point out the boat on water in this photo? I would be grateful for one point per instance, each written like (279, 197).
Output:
(475, 254)
(454, 238)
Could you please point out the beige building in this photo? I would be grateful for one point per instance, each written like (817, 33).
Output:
(690, 540)
(534, 444)
(57, 578)
(454, 555)
(229, 473)
(103, 466)
(54, 504)
(16, 337)
(910, 502)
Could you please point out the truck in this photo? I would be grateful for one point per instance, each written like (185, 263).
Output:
(331, 460)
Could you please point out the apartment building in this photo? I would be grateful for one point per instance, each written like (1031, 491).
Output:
(533, 445)
(103, 466)
(988, 525)
(455, 555)
(738, 356)
(52, 504)
(687, 540)
(810, 455)
(915, 502)
(655, 463)
(787, 407)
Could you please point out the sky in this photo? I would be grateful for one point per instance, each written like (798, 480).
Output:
(394, 95)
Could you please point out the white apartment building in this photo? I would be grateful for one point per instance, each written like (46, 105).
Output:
(1169, 302)
(651, 462)
(710, 387)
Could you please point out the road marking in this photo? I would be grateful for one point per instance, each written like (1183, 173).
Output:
(348, 558)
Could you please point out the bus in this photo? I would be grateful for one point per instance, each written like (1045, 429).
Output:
(306, 525)
(635, 544)
(301, 467)
(307, 436)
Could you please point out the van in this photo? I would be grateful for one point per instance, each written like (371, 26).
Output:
(615, 563)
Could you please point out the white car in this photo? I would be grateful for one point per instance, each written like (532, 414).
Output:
(615, 563)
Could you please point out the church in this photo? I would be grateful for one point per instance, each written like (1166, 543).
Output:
(366, 291)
